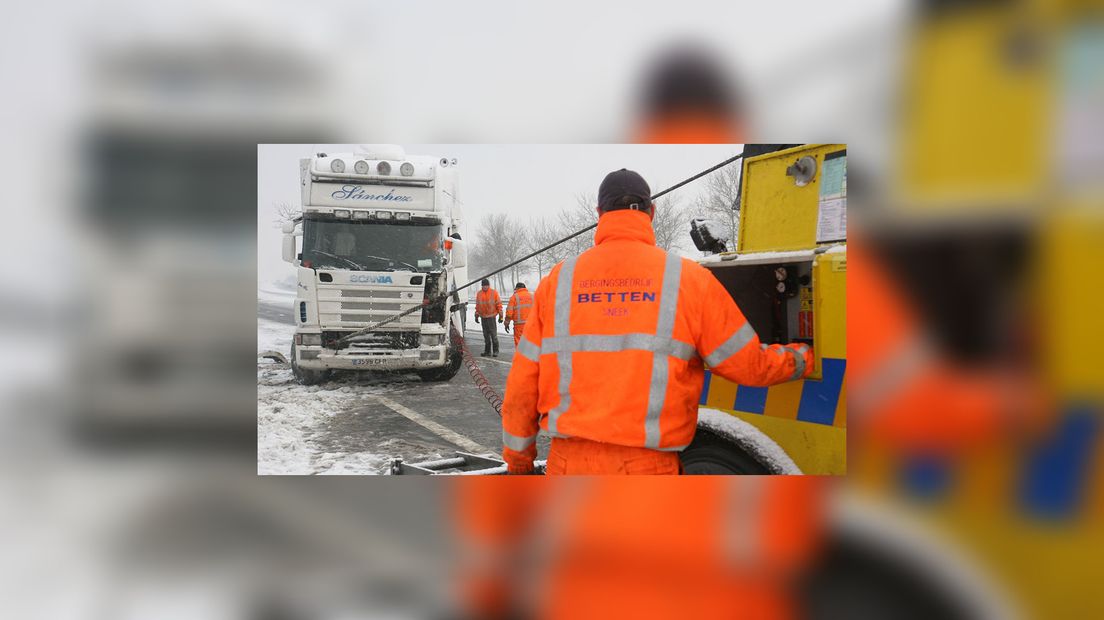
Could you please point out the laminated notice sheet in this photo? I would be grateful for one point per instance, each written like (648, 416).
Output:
(832, 205)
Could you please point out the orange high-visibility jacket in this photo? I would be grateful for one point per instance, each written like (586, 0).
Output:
(488, 303)
(521, 304)
(613, 350)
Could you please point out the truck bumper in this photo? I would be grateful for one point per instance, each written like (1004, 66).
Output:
(317, 358)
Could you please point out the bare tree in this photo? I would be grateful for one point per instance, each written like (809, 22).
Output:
(544, 232)
(285, 212)
(572, 220)
(670, 224)
(500, 241)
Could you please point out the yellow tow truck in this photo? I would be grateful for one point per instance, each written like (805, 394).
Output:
(788, 274)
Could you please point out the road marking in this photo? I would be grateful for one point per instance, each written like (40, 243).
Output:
(440, 431)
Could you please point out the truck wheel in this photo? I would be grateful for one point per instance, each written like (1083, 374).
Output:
(305, 376)
(445, 372)
(711, 454)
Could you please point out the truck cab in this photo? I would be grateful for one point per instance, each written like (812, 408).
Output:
(380, 233)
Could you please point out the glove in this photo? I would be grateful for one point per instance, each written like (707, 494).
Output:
(806, 352)
(477, 318)
(506, 327)
(499, 319)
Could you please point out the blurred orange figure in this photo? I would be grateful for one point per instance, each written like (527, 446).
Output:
(688, 99)
(903, 393)
(644, 547)
(635, 547)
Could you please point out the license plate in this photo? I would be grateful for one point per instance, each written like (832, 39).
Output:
(369, 361)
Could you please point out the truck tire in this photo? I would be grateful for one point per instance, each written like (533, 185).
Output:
(305, 376)
(870, 580)
(711, 454)
(446, 372)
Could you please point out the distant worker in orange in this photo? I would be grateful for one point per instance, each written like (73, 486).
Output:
(517, 311)
(611, 363)
(488, 307)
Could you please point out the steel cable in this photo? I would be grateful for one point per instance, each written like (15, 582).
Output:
(444, 296)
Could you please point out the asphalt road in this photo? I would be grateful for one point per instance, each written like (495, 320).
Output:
(430, 420)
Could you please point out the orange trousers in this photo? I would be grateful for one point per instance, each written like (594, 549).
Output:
(518, 328)
(583, 457)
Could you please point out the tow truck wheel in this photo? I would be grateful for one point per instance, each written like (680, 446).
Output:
(711, 454)
(303, 375)
(445, 372)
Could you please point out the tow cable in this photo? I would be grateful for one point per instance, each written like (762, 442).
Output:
(481, 382)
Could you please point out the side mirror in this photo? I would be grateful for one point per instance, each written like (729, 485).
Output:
(289, 247)
(459, 253)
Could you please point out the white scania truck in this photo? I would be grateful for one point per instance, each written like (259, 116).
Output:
(380, 233)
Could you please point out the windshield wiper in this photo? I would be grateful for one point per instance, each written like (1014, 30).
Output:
(354, 264)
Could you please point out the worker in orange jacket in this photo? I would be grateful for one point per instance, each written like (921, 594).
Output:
(611, 363)
(517, 310)
(488, 307)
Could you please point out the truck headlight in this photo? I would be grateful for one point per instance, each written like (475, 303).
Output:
(432, 340)
(311, 339)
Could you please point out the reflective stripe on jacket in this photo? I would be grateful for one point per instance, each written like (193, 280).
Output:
(521, 304)
(488, 303)
(614, 347)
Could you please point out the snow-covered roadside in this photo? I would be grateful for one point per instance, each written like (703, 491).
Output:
(287, 414)
(273, 336)
(280, 297)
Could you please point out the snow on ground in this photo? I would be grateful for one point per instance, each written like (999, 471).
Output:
(278, 293)
(288, 412)
(273, 336)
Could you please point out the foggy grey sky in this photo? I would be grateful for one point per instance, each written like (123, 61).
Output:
(526, 180)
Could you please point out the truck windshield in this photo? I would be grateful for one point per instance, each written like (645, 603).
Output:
(371, 245)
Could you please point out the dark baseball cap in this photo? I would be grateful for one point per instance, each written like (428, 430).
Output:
(519, 285)
(485, 281)
(621, 183)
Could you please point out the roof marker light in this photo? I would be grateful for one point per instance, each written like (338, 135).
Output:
(361, 167)
(337, 165)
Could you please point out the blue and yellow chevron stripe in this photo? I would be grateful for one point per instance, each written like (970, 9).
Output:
(807, 418)
(809, 400)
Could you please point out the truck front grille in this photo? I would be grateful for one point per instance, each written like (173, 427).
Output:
(375, 341)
